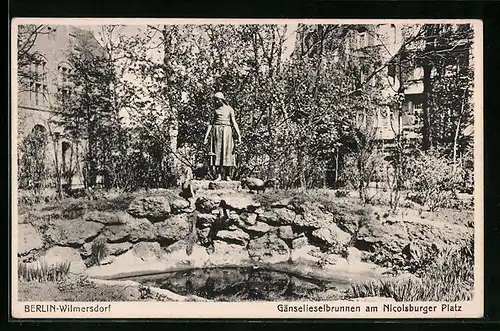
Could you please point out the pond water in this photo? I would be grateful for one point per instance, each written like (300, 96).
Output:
(242, 284)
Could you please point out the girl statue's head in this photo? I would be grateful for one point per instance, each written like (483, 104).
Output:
(219, 99)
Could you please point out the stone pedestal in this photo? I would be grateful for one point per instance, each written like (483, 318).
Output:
(216, 185)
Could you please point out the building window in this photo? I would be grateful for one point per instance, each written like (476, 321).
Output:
(38, 82)
(416, 112)
(417, 108)
(64, 93)
(51, 33)
(363, 40)
(64, 71)
(394, 34)
(64, 89)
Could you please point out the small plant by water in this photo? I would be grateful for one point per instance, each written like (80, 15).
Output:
(99, 250)
(449, 278)
(43, 272)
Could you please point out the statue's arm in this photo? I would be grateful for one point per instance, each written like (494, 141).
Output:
(207, 134)
(209, 129)
(235, 124)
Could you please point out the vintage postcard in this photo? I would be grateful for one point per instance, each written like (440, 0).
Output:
(193, 168)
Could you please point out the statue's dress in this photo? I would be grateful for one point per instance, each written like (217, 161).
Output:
(222, 143)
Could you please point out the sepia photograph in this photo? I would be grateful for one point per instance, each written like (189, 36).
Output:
(253, 169)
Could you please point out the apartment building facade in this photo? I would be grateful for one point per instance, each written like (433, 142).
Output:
(44, 149)
(394, 53)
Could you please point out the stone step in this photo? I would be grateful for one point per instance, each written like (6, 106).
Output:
(215, 185)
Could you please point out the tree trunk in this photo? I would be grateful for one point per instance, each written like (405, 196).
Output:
(173, 125)
(57, 169)
(427, 118)
(336, 166)
(455, 138)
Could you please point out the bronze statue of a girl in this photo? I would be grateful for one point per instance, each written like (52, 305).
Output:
(220, 135)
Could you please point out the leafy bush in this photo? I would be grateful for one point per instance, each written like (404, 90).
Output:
(73, 282)
(341, 193)
(449, 278)
(74, 210)
(433, 180)
(42, 272)
(99, 250)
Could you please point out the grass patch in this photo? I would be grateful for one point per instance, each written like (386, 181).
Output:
(99, 250)
(119, 203)
(449, 278)
(267, 198)
(328, 198)
(42, 272)
(77, 289)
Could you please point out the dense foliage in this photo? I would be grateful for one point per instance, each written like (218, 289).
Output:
(308, 109)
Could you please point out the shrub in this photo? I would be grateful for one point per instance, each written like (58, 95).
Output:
(74, 210)
(341, 193)
(73, 282)
(433, 180)
(42, 272)
(99, 250)
(449, 278)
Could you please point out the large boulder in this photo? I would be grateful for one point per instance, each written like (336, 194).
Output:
(379, 233)
(228, 254)
(133, 231)
(249, 218)
(286, 233)
(75, 232)
(269, 249)
(119, 248)
(349, 216)
(155, 209)
(206, 204)
(312, 215)
(105, 218)
(300, 242)
(239, 202)
(147, 251)
(58, 255)
(236, 236)
(29, 239)
(179, 206)
(330, 236)
(256, 230)
(175, 228)
(277, 217)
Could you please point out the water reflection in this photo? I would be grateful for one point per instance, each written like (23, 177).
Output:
(239, 284)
